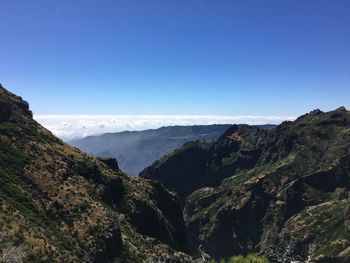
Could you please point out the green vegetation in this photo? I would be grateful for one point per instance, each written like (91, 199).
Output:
(250, 258)
(57, 204)
(12, 162)
(60, 205)
(10, 129)
(85, 168)
(325, 225)
(245, 187)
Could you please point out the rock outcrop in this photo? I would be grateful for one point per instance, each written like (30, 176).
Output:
(200, 164)
(110, 162)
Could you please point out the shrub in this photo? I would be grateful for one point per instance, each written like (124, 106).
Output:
(251, 258)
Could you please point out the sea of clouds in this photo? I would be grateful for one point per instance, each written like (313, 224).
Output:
(69, 127)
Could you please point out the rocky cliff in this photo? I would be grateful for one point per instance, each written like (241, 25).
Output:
(201, 164)
(58, 204)
(281, 191)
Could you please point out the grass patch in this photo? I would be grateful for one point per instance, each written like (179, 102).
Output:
(12, 182)
(250, 258)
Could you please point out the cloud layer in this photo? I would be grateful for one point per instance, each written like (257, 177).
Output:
(68, 127)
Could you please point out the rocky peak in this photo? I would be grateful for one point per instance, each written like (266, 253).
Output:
(110, 162)
(12, 106)
(316, 112)
(341, 109)
(233, 129)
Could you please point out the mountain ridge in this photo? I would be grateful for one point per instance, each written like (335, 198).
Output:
(59, 204)
(283, 192)
(267, 191)
(137, 149)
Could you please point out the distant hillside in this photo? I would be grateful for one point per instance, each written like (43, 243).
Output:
(136, 150)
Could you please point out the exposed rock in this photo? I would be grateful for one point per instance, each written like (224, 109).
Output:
(111, 163)
(145, 217)
(12, 106)
(201, 164)
(193, 156)
(5, 110)
(113, 246)
(113, 191)
(341, 193)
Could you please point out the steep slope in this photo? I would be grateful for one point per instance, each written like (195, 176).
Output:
(136, 150)
(58, 204)
(201, 163)
(283, 191)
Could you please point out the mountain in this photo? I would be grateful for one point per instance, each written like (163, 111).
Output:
(136, 150)
(199, 163)
(283, 192)
(58, 204)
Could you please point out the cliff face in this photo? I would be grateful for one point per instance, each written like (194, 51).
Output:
(58, 204)
(199, 164)
(281, 191)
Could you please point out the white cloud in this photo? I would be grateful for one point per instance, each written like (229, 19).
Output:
(68, 127)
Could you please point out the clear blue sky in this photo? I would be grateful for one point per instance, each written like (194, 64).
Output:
(176, 57)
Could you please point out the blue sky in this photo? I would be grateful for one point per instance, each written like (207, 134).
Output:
(177, 57)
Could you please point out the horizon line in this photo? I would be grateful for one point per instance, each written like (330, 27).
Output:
(71, 126)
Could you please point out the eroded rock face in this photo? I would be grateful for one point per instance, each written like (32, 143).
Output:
(114, 191)
(5, 111)
(200, 164)
(110, 162)
(113, 247)
(188, 166)
(147, 221)
(12, 106)
(259, 184)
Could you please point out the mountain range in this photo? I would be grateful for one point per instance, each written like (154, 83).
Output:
(282, 193)
(136, 150)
